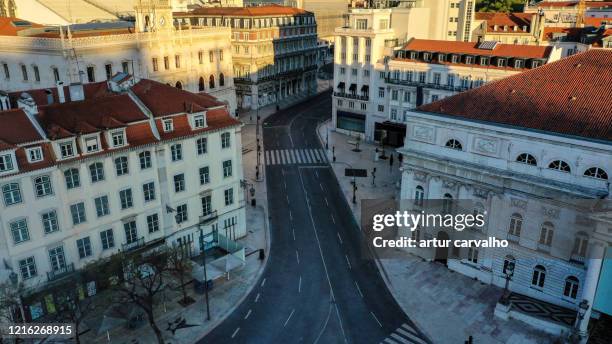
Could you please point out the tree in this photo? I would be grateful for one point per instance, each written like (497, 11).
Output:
(499, 5)
(10, 302)
(180, 264)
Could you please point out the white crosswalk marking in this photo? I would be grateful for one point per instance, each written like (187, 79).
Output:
(295, 157)
(406, 335)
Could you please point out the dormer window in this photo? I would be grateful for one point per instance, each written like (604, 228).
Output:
(468, 59)
(118, 138)
(441, 57)
(34, 154)
(413, 55)
(535, 64)
(91, 144)
(168, 125)
(6, 162)
(501, 62)
(66, 150)
(519, 64)
(454, 58)
(484, 61)
(199, 121)
(425, 56)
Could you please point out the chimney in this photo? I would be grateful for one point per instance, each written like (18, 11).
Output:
(60, 92)
(76, 92)
(26, 102)
(4, 101)
(49, 96)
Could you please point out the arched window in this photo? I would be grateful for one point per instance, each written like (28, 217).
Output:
(516, 223)
(454, 144)
(528, 159)
(546, 234)
(560, 165)
(211, 82)
(580, 244)
(201, 84)
(509, 264)
(179, 85)
(419, 195)
(539, 276)
(571, 287)
(447, 204)
(597, 173)
(221, 80)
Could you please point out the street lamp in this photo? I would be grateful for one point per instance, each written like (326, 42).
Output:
(508, 272)
(583, 307)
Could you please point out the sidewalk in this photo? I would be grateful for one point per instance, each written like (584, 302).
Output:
(447, 306)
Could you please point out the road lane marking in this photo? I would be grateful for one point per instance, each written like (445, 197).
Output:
(277, 160)
(348, 262)
(288, 200)
(358, 289)
(297, 156)
(300, 285)
(257, 298)
(375, 318)
(263, 282)
(290, 215)
(321, 186)
(297, 256)
(294, 156)
(333, 220)
(326, 202)
(235, 332)
(290, 315)
(339, 238)
(317, 174)
(293, 230)
(247, 315)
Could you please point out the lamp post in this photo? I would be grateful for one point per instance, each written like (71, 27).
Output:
(509, 272)
(583, 307)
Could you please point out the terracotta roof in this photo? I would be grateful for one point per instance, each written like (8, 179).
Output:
(597, 22)
(255, 11)
(10, 26)
(570, 96)
(91, 90)
(471, 48)
(589, 4)
(572, 33)
(16, 128)
(505, 19)
(172, 100)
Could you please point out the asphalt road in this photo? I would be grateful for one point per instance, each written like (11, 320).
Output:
(315, 288)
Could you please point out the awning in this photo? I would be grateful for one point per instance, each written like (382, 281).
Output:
(353, 87)
(341, 85)
(365, 88)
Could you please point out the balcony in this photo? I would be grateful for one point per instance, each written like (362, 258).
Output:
(60, 273)
(577, 258)
(426, 84)
(209, 217)
(133, 245)
(351, 96)
(513, 238)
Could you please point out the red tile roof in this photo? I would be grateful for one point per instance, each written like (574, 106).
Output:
(10, 26)
(16, 128)
(570, 96)
(91, 90)
(572, 33)
(589, 4)
(471, 48)
(255, 11)
(597, 22)
(505, 19)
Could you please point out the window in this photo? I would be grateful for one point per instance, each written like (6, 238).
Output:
(434, 98)
(450, 80)
(597, 173)
(206, 205)
(422, 77)
(102, 207)
(11, 193)
(42, 186)
(97, 172)
(179, 182)
(571, 287)
(519, 64)
(181, 213)
(6, 163)
(204, 175)
(176, 151)
(168, 125)
(394, 114)
(125, 197)
(361, 24)
(200, 57)
(354, 71)
(27, 267)
(473, 254)
(546, 234)
(437, 77)
(211, 81)
(155, 65)
(560, 165)
(225, 140)
(153, 223)
(229, 196)
(526, 158)
(145, 160)
(581, 243)
(221, 80)
(24, 73)
(516, 223)
(227, 168)
(91, 144)
(19, 230)
(381, 92)
(198, 121)
(91, 74)
(108, 68)
(107, 238)
(7, 74)
(501, 62)
(34, 154)
(131, 232)
(125, 67)
(202, 145)
(57, 258)
(121, 165)
(364, 106)
(539, 275)
(394, 95)
(148, 190)
(78, 213)
(118, 139)
(66, 150)
(177, 61)
(166, 63)
(419, 195)
(447, 204)
(211, 56)
(49, 221)
(454, 144)
(84, 247)
(342, 70)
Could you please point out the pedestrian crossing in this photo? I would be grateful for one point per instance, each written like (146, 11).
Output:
(404, 334)
(295, 157)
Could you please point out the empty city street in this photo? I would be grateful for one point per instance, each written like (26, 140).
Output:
(316, 288)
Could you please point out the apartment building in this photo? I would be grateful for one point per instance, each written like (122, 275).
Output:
(90, 170)
(36, 56)
(524, 149)
(274, 50)
(370, 36)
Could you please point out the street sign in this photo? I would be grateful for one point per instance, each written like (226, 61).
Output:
(355, 172)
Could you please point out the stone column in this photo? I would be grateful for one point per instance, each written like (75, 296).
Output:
(594, 262)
